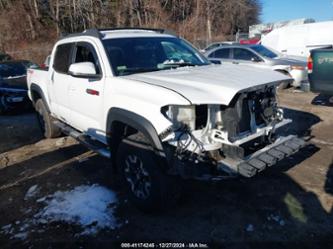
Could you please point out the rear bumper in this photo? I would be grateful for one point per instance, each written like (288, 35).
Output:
(264, 158)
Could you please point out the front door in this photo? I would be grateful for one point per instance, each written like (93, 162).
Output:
(86, 94)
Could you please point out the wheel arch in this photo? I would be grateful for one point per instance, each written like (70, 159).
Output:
(37, 93)
(121, 122)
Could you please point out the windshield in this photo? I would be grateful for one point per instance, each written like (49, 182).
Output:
(12, 70)
(147, 54)
(264, 51)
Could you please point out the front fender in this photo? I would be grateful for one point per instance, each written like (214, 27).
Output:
(135, 121)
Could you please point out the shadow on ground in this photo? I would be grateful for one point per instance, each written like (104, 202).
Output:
(323, 100)
(20, 129)
(301, 122)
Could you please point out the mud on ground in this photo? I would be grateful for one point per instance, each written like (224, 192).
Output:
(288, 204)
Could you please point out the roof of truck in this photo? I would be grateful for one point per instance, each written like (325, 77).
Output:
(123, 33)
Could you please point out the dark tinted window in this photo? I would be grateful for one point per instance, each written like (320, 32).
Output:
(62, 58)
(86, 53)
(264, 51)
(12, 69)
(221, 53)
(243, 54)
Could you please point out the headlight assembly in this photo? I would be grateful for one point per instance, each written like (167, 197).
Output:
(180, 115)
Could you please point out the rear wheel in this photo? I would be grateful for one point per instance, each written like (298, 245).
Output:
(142, 173)
(49, 129)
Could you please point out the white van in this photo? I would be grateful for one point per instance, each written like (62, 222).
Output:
(298, 40)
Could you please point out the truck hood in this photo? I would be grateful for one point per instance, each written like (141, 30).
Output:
(212, 84)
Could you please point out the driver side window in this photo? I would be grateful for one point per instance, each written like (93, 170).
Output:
(86, 53)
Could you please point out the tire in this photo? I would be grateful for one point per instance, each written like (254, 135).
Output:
(45, 120)
(147, 185)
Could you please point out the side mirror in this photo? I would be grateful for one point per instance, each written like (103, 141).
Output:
(83, 70)
(255, 59)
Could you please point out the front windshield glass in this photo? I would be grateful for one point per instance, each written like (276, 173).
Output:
(264, 51)
(147, 54)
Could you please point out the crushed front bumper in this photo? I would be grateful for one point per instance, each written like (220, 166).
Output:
(264, 158)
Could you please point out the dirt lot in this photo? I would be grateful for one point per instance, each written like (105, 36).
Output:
(289, 204)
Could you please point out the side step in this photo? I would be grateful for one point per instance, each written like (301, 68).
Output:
(85, 140)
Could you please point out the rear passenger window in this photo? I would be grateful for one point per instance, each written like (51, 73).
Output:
(62, 58)
(221, 53)
(243, 54)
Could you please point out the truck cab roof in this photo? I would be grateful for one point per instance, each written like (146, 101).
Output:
(104, 34)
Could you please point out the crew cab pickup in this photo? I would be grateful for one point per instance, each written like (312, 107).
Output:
(320, 65)
(159, 109)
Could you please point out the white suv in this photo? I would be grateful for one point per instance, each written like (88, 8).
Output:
(154, 105)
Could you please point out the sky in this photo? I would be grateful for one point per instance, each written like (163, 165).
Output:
(283, 10)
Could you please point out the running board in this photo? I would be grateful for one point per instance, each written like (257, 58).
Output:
(84, 139)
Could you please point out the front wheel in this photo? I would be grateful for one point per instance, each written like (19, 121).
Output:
(142, 173)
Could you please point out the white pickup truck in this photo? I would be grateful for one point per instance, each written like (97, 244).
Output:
(157, 108)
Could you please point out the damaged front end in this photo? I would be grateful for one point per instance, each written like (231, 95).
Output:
(237, 139)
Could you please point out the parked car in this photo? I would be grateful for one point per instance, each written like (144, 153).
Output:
(217, 44)
(259, 55)
(158, 109)
(13, 85)
(320, 67)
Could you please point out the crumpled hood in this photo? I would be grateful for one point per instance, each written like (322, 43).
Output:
(212, 84)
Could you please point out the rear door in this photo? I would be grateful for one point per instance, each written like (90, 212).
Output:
(86, 94)
(245, 56)
(60, 82)
(221, 54)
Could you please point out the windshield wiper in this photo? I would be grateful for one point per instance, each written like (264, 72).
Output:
(179, 64)
(137, 70)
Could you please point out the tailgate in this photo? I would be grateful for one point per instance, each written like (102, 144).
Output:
(321, 78)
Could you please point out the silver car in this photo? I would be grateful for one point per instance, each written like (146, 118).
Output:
(217, 45)
(259, 55)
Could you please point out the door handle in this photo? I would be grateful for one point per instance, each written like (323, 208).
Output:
(235, 62)
(92, 92)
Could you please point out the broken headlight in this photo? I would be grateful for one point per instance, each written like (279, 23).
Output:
(180, 115)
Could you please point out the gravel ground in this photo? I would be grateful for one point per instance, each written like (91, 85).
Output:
(287, 205)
